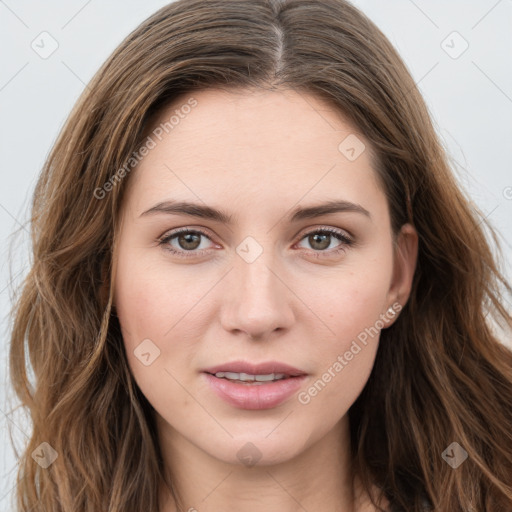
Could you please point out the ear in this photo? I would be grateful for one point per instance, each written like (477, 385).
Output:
(404, 265)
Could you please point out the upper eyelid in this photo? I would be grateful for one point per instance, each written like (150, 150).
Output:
(299, 236)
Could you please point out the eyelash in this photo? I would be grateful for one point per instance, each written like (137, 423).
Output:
(346, 242)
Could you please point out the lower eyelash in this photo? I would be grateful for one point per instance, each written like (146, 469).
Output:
(317, 254)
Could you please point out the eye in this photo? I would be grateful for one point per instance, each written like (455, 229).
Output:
(320, 240)
(188, 241)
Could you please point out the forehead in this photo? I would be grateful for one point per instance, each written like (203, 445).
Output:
(273, 146)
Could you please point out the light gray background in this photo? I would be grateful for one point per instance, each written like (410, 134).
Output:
(470, 99)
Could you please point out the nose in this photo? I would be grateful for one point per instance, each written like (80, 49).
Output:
(257, 299)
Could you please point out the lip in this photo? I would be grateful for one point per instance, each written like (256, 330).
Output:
(264, 368)
(266, 395)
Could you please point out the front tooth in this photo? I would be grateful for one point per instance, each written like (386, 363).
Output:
(246, 377)
(264, 378)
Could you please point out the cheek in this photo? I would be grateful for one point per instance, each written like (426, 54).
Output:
(145, 314)
(351, 307)
(139, 307)
(352, 303)
(148, 300)
(152, 315)
(356, 310)
(343, 362)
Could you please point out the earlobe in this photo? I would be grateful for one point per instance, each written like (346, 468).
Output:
(391, 314)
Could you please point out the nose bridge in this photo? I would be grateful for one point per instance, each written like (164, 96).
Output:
(258, 299)
(254, 270)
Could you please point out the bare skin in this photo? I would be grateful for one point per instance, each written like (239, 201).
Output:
(258, 156)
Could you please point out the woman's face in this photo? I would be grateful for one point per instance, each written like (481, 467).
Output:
(261, 281)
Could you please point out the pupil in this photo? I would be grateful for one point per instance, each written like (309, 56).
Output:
(326, 239)
(187, 238)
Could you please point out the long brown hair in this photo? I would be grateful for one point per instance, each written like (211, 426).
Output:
(441, 374)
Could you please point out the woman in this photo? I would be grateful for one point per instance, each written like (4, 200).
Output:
(256, 283)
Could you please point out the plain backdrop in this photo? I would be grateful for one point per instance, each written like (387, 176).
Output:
(459, 53)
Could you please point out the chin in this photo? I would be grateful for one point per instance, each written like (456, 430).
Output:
(257, 450)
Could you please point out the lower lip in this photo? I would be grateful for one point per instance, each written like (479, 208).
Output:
(255, 396)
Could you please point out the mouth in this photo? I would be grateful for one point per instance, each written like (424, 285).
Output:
(254, 386)
(249, 379)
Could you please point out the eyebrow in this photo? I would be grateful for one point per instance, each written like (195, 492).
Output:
(171, 207)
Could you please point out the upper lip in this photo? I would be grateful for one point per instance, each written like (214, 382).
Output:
(265, 368)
